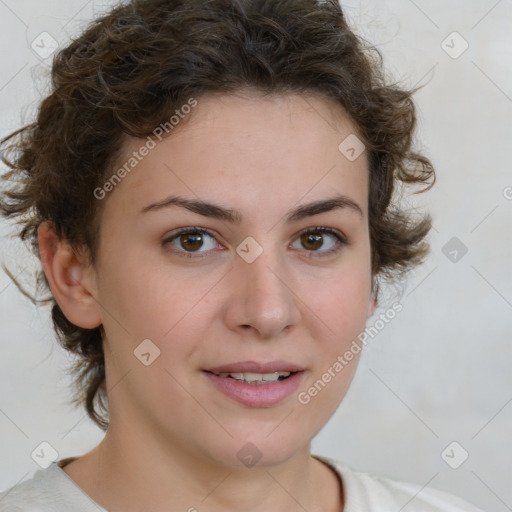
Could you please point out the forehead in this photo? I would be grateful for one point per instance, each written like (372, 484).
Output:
(261, 147)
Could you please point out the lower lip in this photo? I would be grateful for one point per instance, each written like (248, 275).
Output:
(257, 395)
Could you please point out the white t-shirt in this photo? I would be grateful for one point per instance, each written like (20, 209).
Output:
(51, 490)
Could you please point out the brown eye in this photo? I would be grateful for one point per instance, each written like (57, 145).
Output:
(321, 241)
(189, 241)
(312, 242)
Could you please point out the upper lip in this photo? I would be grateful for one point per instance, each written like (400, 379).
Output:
(255, 367)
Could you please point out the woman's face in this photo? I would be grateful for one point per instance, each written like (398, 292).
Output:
(255, 292)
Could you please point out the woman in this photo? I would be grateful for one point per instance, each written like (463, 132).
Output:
(208, 187)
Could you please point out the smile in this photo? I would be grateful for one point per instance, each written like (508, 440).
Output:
(257, 378)
(256, 389)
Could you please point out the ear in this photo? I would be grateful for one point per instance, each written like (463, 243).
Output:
(71, 278)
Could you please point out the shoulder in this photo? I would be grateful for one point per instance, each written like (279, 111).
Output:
(367, 492)
(48, 490)
(32, 495)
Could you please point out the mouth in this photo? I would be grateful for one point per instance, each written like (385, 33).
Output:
(256, 384)
(255, 378)
(252, 372)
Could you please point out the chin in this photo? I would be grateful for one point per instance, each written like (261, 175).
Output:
(258, 449)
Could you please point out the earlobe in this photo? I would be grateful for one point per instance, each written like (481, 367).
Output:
(70, 278)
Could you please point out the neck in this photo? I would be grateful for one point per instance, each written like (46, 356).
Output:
(130, 472)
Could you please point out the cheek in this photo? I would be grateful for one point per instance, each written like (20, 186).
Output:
(150, 298)
(172, 308)
(341, 303)
(340, 316)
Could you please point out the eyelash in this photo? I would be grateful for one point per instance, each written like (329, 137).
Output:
(340, 241)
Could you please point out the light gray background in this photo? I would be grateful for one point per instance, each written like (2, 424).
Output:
(441, 370)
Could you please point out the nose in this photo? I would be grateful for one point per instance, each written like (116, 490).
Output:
(262, 297)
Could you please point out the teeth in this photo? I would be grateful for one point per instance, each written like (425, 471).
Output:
(256, 377)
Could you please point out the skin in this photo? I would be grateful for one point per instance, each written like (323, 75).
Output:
(173, 437)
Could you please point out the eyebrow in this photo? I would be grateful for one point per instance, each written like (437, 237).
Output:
(214, 211)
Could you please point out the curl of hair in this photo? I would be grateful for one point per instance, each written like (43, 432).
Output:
(132, 68)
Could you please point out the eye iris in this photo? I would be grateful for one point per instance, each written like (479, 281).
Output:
(315, 240)
(196, 240)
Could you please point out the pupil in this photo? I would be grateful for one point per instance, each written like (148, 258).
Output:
(314, 240)
(195, 241)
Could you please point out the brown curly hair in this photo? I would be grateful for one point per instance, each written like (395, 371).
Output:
(132, 68)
